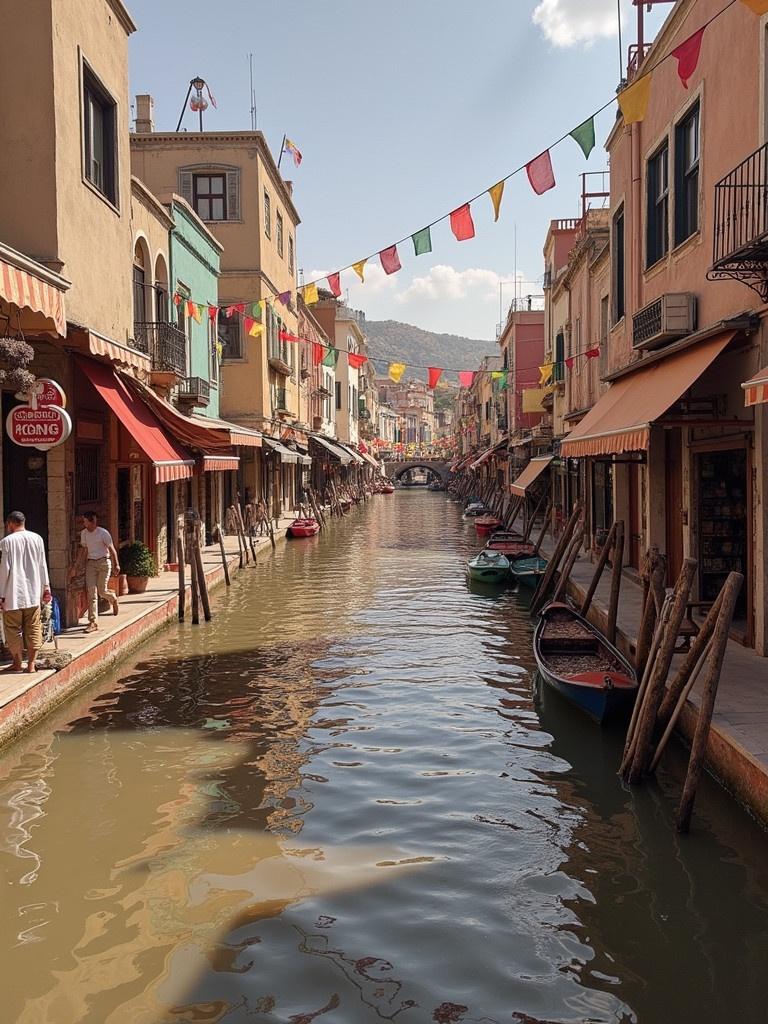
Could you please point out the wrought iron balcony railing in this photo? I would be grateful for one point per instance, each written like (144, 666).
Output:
(741, 224)
(165, 345)
(194, 390)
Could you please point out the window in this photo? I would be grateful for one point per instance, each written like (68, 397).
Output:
(209, 192)
(213, 355)
(603, 334)
(558, 370)
(99, 136)
(267, 214)
(279, 231)
(618, 265)
(139, 300)
(231, 338)
(338, 394)
(161, 304)
(355, 405)
(657, 241)
(687, 176)
(290, 253)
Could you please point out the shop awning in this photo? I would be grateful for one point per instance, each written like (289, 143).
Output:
(339, 454)
(756, 388)
(489, 453)
(170, 460)
(220, 463)
(367, 457)
(285, 454)
(621, 420)
(29, 285)
(356, 456)
(530, 474)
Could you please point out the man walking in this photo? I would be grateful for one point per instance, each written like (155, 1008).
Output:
(24, 584)
(101, 560)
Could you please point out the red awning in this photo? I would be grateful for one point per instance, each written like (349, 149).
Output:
(220, 463)
(171, 461)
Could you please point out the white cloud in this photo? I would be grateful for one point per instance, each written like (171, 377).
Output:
(567, 22)
(446, 283)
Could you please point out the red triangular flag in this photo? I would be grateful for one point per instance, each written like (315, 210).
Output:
(356, 360)
(231, 311)
(318, 353)
(687, 55)
(593, 353)
(176, 299)
(570, 361)
(390, 261)
(540, 173)
(462, 224)
(434, 374)
(465, 378)
(334, 283)
(213, 312)
(191, 308)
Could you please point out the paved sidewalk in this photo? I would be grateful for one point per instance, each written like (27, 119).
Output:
(25, 698)
(737, 752)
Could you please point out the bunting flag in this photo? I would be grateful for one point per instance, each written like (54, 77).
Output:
(331, 357)
(504, 380)
(496, 192)
(465, 378)
(633, 101)
(756, 6)
(545, 373)
(256, 310)
(592, 353)
(355, 360)
(396, 371)
(238, 307)
(359, 269)
(462, 224)
(687, 56)
(433, 374)
(584, 134)
(540, 173)
(252, 328)
(284, 298)
(177, 300)
(569, 361)
(310, 294)
(390, 261)
(213, 313)
(287, 336)
(318, 353)
(422, 242)
(334, 285)
(532, 399)
(196, 311)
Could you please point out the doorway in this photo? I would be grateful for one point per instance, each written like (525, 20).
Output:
(673, 505)
(25, 479)
(635, 535)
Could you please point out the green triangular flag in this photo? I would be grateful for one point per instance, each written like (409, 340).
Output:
(256, 310)
(503, 380)
(331, 357)
(585, 136)
(422, 242)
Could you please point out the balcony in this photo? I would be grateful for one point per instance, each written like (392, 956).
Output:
(741, 224)
(194, 392)
(165, 345)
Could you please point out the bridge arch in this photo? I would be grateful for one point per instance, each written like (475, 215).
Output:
(395, 470)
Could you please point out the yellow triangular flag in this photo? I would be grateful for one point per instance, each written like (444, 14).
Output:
(255, 329)
(396, 371)
(633, 101)
(757, 6)
(496, 192)
(309, 294)
(359, 269)
(545, 372)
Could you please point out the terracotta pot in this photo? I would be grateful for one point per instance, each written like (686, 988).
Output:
(171, 566)
(118, 585)
(137, 584)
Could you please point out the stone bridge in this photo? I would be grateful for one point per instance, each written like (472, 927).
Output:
(394, 470)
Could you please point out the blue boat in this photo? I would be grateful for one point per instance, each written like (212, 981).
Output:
(528, 571)
(575, 659)
(489, 567)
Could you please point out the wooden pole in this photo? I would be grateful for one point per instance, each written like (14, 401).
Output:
(613, 601)
(706, 651)
(544, 528)
(657, 571)
(564, 540)
(647, 719)
(182, 580)
(601, 564)
(700, 641)
(194, 585)
(570, 561)
(532, 517)
(708, 694)
(224, 563)
(629, 742)
(201, 580)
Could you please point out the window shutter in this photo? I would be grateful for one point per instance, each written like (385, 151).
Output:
(233, 195)
(185, 186)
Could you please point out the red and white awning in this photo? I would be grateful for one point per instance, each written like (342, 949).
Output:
(28, 285)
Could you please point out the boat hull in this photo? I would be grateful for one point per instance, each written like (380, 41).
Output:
(527, 571)
(511, 548)
(303, 528)
(486, 569)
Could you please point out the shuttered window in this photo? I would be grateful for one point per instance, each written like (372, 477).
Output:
(212, 192)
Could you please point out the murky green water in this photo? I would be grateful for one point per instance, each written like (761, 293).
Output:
(340, 802)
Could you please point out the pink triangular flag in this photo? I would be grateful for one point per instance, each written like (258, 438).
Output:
(570, 361)
(465, 378)
(390, 261)
(540, 173)
(687, 55)
(334, 283)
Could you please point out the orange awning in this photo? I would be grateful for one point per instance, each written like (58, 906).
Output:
(530, 474)
(756, 388)
(621, 420)
(219, 463)
(26, 290)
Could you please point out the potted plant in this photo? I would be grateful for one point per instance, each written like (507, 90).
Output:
(138, 564)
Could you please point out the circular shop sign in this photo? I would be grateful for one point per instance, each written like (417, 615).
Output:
(38, 428)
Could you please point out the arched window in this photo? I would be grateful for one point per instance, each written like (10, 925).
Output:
(161, 290)
(142, 310)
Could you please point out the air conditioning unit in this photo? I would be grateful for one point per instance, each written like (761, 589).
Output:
(670, 316)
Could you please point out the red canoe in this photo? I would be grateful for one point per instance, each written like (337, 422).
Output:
(487, 524)
(304, 528)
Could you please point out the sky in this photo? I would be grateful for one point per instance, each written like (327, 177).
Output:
(403, 110)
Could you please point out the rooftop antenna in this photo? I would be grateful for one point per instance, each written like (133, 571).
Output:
(253, 94)
(198, 102)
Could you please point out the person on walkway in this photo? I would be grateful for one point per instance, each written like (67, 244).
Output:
(24, 584)
(100, 556)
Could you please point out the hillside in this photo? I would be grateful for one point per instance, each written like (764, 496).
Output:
(404, 343)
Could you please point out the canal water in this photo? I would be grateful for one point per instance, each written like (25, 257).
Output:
(343, 801)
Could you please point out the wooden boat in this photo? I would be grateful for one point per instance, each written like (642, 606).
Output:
(387, 489)
(489, 567)
(528, 570)
(512, 548)
(486, 524)
(575, 659)
(304, 528)
(475, 511)
(506, 535)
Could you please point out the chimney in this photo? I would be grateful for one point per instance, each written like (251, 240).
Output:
(145, 121)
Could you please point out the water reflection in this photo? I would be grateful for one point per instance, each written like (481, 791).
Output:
(353, 809)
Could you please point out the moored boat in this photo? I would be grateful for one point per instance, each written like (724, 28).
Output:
(304, 528)
(512, 548)
(475, 510)
(575, 659)
(387, 489)
(528, 570)
(489, 567)
(487, 524)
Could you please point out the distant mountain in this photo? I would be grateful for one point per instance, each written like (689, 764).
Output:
(404, 343)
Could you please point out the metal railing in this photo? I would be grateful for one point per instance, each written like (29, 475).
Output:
(195, 389)
(741, 210)
(165, 345)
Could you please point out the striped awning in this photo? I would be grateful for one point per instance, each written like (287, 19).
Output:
(756, 388)
(26, 285)
(219, 463)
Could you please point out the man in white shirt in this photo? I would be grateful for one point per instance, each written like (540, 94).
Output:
(100, 560)
(24, 584)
